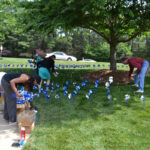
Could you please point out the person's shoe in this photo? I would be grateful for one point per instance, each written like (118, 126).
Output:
(12, 123)
(1, 112)
(139, 91)
(135, 85)
(5, 119)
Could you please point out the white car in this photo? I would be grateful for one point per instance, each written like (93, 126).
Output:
(62, 56)
(87, 60)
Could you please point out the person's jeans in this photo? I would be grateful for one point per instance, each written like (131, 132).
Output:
(141, 76)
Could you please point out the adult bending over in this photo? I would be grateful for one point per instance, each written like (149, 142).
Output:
(44, 70)
(142, 66)
(9, 83)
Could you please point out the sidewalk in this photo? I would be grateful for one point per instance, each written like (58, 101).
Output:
(8, 135)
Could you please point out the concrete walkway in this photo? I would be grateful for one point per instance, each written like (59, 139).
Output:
(8, 134)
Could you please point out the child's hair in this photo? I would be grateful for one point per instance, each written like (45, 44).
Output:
(32, 79)
(50, 57)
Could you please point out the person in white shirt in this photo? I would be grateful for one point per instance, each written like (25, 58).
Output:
(1, 76)
(1, 88)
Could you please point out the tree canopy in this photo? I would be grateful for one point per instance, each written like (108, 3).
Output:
(116, 21)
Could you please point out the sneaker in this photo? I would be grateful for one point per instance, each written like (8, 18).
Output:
(12, 123)
(5, 119)
(1, 112)
(135, 85)
(139, 91)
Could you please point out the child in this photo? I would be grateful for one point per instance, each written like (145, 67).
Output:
(44, 70)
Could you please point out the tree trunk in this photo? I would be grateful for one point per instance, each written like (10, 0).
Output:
(113, 56)
(132, 45)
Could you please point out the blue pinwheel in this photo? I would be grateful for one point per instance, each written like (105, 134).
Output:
(57, 97)
(47, 87)
(107, 85)
(20, 101)
(37, 95)
(52, 89)
(45, 92)
(127, 97)
(64, 87)
(86, 81)
(88, 95)
(52, 84)
(31, 65)
(57, 85)
(72, 96)
(143, 100)
(67, 84)
(83, 84)
(74, 83)
(21, 65)
(96, 86)
(78, 88)
(29, 61)
(40, 89)
(35, 87)
(65, 93)
(48, 98)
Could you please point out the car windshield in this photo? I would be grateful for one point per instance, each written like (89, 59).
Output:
(59, 53)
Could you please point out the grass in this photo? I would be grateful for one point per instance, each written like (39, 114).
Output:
(61, 64)
(95, 126)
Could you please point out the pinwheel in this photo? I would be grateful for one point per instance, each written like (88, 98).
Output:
(127, 97)
(143, 100)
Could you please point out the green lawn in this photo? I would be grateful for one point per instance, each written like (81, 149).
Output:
(59, 63)
(95, 126)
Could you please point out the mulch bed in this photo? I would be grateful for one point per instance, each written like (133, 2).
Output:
(119, 76)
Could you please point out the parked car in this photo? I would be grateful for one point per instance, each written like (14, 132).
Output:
(87, 60)
(6, 53)
(26, 55)
(62, 56)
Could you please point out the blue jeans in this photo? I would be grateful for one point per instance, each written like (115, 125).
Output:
(141, 76)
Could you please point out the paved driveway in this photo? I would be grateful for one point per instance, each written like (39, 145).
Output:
(8, 135)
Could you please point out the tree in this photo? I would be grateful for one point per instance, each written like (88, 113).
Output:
(116, 21)
(11, 33)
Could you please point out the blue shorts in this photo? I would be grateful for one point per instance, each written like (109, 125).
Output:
(44, 73)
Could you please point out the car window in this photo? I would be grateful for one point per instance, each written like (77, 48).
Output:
(59, 53)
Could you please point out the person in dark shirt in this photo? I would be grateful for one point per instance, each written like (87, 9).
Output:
(38, 55)
(142, 70)
(44, 70)
(9, 83)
